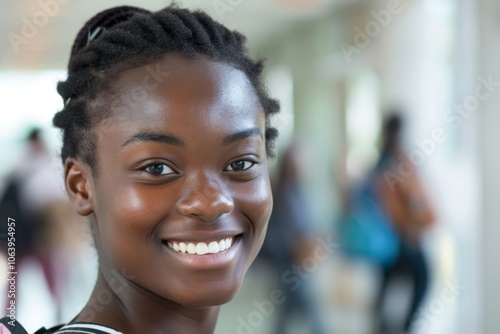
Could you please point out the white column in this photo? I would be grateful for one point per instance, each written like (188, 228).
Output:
(489, 143)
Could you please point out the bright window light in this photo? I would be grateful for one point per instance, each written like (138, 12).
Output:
(27, 99)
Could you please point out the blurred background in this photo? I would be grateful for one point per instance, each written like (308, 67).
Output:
(341, 69)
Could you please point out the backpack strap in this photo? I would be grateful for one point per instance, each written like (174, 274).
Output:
(11, 326)
(51, 330)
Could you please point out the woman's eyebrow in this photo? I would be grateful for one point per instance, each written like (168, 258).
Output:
(242, 135)
(155, 137)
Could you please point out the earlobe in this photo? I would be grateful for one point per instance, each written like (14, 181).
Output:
(78, 183)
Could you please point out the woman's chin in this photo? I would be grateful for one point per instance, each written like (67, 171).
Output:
(212, 296)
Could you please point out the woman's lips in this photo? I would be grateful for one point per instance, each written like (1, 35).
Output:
(197, 254)
(202, 248)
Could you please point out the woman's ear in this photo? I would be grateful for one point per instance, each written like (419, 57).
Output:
(79, 186)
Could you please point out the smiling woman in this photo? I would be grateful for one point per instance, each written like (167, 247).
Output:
(166, 136)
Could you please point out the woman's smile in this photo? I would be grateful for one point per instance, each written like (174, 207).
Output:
(202, 248)
(219, 244)
(207, 256)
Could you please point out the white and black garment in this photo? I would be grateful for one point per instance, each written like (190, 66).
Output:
(11, 326)
(85, 328)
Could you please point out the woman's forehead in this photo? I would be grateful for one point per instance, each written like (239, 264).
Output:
(182, 83)
(178, 95)
(191, 74)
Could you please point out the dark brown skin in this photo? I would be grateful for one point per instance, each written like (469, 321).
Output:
(202, 196)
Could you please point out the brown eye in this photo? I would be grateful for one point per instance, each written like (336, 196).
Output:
(240, 165)
(159, 169)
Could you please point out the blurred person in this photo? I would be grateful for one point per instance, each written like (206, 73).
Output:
(34, 197)
(409, 210)
(289, 240)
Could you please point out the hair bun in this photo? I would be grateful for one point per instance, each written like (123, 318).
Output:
(103, 21)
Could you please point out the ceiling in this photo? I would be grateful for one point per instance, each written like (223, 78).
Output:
(47, 45)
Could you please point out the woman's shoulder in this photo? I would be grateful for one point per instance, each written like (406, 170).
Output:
(10, 326)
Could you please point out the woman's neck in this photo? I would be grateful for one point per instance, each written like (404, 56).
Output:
(130, 309)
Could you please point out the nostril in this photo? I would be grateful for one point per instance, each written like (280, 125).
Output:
(207, 206)
(205, 197)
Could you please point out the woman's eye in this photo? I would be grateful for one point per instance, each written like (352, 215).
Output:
(239, 165)
(159, 169)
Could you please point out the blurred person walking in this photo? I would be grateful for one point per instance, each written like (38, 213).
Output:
(409, 210)
(290, 240)
(34, 197)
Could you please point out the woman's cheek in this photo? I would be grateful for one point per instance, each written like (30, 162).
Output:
(137, 208)
(257, 206)
(129, 216)
(256, 202)
(125, 230)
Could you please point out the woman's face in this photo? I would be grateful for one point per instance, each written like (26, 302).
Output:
(182, 169)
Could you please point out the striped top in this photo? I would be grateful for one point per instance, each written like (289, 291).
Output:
(86, 328)
(9, 326)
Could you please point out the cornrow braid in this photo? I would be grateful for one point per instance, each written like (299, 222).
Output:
(124, 37)
(105, 19)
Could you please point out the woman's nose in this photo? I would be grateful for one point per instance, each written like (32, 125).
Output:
(204, 198)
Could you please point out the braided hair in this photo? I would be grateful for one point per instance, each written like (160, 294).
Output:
(124, 37)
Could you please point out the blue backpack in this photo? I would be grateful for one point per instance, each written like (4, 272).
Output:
(366, 232)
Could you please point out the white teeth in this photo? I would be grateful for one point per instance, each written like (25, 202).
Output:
(213, 247)
(182, 247)
(201, 248)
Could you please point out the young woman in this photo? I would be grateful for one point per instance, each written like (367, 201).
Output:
(166, 132)
(411, 214)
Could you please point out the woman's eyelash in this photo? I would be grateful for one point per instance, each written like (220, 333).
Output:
(158, 170)
(240, 165)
